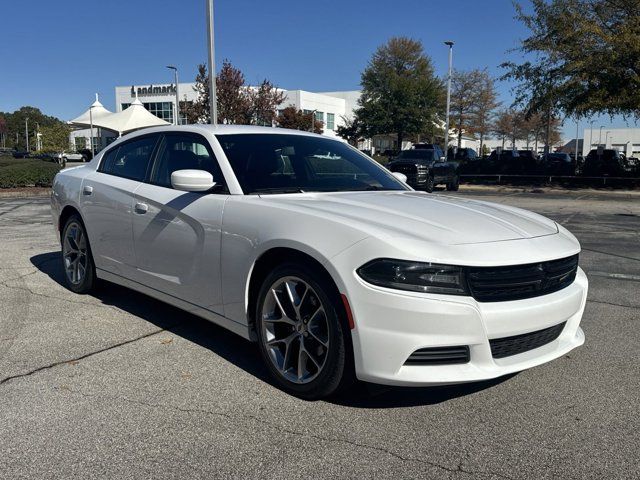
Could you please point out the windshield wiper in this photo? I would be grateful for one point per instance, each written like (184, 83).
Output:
(277, 190)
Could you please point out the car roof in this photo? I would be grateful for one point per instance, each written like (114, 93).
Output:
(229, 130)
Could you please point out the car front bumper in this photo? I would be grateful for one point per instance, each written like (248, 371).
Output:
(390, 325)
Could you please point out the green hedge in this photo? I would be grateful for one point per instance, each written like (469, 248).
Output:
(26, 172)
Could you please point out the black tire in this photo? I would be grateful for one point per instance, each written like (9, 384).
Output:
(88, 281)
(430, 184)
(337, 370)
(454, 185)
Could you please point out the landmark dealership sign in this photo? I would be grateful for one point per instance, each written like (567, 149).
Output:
(153, 90)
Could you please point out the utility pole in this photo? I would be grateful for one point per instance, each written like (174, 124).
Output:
(213, 99)
(446, 128)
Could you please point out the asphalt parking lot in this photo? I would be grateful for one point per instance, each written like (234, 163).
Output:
(117, 385)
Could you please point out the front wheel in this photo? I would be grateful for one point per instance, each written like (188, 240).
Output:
(454, 184)
(301, 336)
(430, 185)
(77, 261)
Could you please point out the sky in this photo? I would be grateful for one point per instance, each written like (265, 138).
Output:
(55, 55)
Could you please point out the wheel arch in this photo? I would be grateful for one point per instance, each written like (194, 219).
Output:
(273, 256)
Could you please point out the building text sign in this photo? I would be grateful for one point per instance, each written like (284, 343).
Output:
(153, 90)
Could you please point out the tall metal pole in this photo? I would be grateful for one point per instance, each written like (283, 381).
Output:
(213, 106)
(590, 136)
(600, 137)
(26, 131)
(446, 128)
(577, 133)
(177, 109)
(606, 138)
(91, 125)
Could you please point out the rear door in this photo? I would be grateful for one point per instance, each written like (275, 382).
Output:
(107, 203)
(177, 234)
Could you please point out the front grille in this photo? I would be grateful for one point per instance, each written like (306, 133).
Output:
(499, 284)
(507, 346)
(439, 356)
(406, 168)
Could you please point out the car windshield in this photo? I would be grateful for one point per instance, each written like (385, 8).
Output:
(277, 163)
(420, 154)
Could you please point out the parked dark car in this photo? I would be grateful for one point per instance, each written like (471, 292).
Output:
(506, 161)
(87, 155)
(426, 168)
(465, 154)
(558, 164)
(19, 154)
(49, 156)
(607, 162)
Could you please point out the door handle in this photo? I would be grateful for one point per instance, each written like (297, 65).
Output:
(141, 208)
(87, 190)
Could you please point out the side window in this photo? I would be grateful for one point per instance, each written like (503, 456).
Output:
(184, 152)
(131, 159)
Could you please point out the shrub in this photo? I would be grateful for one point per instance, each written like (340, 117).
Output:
(26, 172)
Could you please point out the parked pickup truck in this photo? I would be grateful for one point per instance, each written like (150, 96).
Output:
(425, 168)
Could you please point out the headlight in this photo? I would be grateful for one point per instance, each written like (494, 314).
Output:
(415, 276)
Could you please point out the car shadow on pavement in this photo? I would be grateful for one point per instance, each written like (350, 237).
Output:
(243, 353)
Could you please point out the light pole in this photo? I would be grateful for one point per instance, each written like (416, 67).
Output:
(606, 137)
(600, 137)
(577, 133)
(590, 135)
(213, 105)
(313, 120)
(91, 126)
(175, 73)
(446, 129)
(26, 132)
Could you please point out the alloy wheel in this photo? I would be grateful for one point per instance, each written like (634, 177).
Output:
(295, 330)
(74, 253)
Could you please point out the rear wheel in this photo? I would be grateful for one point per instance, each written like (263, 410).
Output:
(454, 184)
(301, 336)
(77, 261)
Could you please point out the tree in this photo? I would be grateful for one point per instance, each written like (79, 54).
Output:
(350, 130)
(586, 57)
(400, 92)
(3, 131)
(55, 137)
(237, 103)
(464, 98)
(295, 119)
(263, 101)
(503, 126)
(233, 102)
(484, 111)
(16, 122)
(198, 111)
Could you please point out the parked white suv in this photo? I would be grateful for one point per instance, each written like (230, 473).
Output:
(324, 258)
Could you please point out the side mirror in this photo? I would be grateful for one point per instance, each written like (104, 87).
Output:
(192, 180)
(443, 158)
(400, 176)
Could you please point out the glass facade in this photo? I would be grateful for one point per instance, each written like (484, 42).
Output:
(331, 121)
(163, 110)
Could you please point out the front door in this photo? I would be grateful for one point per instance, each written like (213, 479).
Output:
(107, 202)
(177, 234)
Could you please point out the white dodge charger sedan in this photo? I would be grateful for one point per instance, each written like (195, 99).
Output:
(334, 266)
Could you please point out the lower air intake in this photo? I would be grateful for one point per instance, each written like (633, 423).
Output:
(507, 346)
(439, 356)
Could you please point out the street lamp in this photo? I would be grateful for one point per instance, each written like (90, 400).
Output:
(600, 137)
(446, 131)
(591, 134)
(213, 105)
(313, 120)
(606, 138)
(175, 73)
(26, 132)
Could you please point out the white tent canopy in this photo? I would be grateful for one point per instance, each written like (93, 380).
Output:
(96, 111)
(132, 118)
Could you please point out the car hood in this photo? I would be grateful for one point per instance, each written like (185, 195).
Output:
(434, 218)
